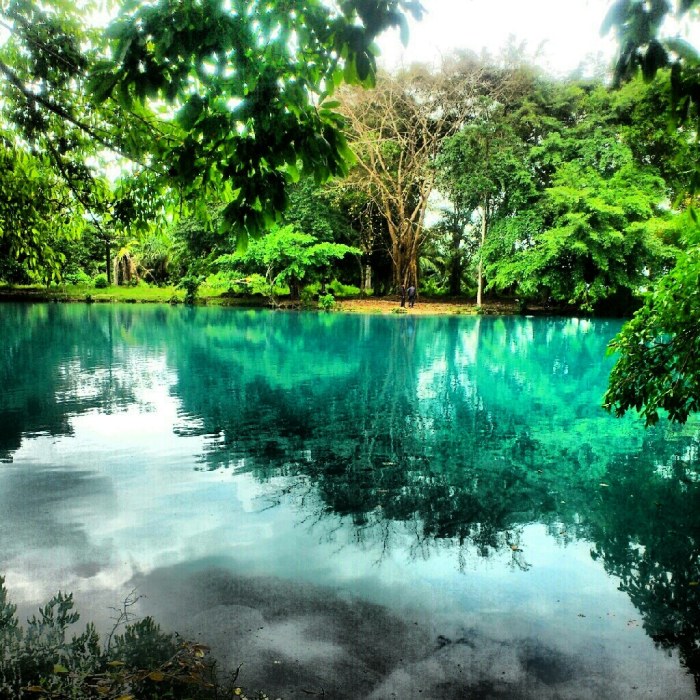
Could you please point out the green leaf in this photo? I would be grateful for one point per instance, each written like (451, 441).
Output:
(364, 66)
(686, 51)
(241, 241)
(615, 16)
(190, 112)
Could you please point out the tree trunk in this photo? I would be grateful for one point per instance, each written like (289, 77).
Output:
(480, 274)
(367, 279)
(456, 266)
(404, 256)
(109, 262)
(398, 256)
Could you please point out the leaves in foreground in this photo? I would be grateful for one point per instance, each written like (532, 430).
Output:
(40, 662)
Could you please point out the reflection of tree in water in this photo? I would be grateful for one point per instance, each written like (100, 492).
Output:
(461, 431)
(423, 421)
(647, 533)
(464, 431)
(58, 361)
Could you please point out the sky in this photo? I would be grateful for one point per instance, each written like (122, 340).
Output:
(564, 32)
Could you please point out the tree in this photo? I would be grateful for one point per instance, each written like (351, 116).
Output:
(659, 363)
(286, 257)
(587, 223)
(451, 245)
(369, 231)
(643, 109)
(656, 368)
(35, 213)
(396, 132)
(644, 47)
(476, 166)
(242, 115)
(46, 113)
(249, 84)
(591, 238)
(43, 177)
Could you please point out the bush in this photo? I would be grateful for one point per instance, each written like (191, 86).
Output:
(191, 284)
(39, 661)
(307, 296)
(77, 277)
(218, 282)
(326, 302)
(100, 281)
(257, 284)
(343, 290)
(431, 288)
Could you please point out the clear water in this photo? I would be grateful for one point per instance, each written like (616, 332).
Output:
(378, 507)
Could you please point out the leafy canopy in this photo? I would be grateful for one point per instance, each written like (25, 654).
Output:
(285, 256)
(657, 367)
(590, 237)
(659, 363)
(250, 84)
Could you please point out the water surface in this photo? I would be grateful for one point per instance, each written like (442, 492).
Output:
(373, 506)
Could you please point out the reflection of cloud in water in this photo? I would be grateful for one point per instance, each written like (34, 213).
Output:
(43, 531)
(393, 459)
(293, 637)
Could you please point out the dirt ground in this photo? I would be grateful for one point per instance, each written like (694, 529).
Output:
(388, 305)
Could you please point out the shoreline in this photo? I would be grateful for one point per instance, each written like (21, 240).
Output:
(367, 305)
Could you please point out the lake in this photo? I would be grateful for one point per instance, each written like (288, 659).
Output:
(356, 505)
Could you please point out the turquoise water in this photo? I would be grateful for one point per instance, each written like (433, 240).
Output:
(373, 506)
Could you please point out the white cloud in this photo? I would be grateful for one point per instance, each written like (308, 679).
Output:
(563, 33)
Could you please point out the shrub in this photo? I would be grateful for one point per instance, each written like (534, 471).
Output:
(307, 296)
(326, 302)
(257, 284)
(218, 282)
(191, 284)
(39, 661)
(100, 281)
(343, 290)
(431, 288)
(77, 277)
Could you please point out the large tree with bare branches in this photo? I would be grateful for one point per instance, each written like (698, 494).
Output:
(396, 132)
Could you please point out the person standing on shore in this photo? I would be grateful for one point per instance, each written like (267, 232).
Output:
(411, 296)
(402, 293)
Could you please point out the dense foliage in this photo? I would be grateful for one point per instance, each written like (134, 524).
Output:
(152, 151)
(246, 79)
(658, 367)
(285, 257)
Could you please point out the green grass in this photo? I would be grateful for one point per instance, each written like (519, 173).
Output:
(139, 294)
(210, 293)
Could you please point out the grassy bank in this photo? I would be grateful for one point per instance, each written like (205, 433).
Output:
(139, 294)
(216, 296)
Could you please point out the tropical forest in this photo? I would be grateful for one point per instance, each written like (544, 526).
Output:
(328, 378)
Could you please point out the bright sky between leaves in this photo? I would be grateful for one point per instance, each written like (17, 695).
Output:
(563, 33)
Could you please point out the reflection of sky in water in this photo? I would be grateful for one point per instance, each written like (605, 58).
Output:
(136, 503)
(125, 494)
